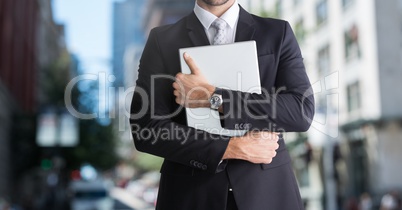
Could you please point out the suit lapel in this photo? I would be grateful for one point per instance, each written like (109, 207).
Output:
(196, 31)
(245, 26)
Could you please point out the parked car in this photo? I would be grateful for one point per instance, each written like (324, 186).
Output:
(91, 195)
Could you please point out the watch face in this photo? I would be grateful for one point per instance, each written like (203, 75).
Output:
(215, 101)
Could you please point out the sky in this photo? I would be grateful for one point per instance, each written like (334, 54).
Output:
(88, 31)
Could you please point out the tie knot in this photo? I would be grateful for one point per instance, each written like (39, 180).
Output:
(219, 24)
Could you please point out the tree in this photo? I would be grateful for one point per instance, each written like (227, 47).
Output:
(97, 140)
(97, 143)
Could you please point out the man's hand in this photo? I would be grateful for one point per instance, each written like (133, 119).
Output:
(192, 90)
(255, 147)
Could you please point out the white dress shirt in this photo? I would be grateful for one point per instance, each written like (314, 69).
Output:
(231, 17)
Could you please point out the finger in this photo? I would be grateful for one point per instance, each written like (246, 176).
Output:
(176, 86)
(176, 93)
(268, 161)
(257, 160)
(274, 137)
(179, 76)
(191, 64)
(254, 135)
(179, 100)
(270, 136)
(277, 134)
(276, 146)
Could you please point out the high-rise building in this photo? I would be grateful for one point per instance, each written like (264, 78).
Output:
(353, 55)
(18, 71)
(30, 41)
(155, 13)
(127, 31)
(163, 12)
(152, 14)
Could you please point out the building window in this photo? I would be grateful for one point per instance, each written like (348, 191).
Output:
(352, 48)
(323, 61)
(323, 65)
(353, 92)
(346, 3)
(300, 32)
(322, 11)
(297, 2)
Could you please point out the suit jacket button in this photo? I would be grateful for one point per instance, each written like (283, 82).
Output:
(199, 165)
(204, 167)
(192, 162)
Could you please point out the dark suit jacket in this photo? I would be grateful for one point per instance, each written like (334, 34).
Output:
(192, 177)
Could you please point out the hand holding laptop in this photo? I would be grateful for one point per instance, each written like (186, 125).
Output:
(192, 90)
(229, 66)
(196, 85)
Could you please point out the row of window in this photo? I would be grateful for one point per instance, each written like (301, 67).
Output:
(345, 3)
(321, 14)
(322, 9)
(351, 47)
(352, 51)
(353, 95)
(351, 36)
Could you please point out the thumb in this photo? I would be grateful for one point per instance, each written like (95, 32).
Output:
(191, 64)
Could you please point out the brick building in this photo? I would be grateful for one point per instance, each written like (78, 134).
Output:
(29, 40)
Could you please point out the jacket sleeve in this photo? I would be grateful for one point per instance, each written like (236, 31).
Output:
(289, 108)
(152, 110)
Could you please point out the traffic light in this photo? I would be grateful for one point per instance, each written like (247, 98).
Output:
(46, 164)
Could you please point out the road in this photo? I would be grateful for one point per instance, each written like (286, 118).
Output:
(123, 200)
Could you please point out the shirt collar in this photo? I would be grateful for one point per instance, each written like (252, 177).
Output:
(206, 18)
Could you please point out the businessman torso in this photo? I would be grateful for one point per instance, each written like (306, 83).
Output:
(255, 186)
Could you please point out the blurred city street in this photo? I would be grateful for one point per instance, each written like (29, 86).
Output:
(67, 73)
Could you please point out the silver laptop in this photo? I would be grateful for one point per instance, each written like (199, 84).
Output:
(231, 66)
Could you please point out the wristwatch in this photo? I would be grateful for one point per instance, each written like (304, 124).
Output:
(216, 101)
